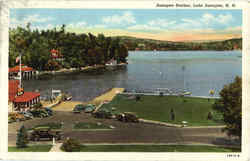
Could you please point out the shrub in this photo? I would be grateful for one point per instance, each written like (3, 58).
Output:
(71, 145)
(66, 65)
(209, 116)
(22, 138)
(38, 105)
(138, 98)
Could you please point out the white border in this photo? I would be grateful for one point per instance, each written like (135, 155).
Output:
(4, 12)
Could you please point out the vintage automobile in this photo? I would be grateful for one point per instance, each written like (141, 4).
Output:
(89, 108)
(27, 114)
(41, 113)
(16, 117)
(103, 114)
(127, 117)
(41, 133)
(78, 108)
(49, 111)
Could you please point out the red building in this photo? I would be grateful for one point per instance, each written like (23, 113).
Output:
(56, 55)
(27, 72)
(20, 100)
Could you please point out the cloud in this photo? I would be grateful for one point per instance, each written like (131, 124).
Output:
(220, 19)
(153, 25)
(207, 18)
(161, 22)
(36, 18)
(207, 21)
(77, 25)
(143, 27)
(23, 21)
(225, 18)
(84, 25)
(125, 18)
(98, 26)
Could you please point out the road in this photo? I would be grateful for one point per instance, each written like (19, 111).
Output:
(124, 132)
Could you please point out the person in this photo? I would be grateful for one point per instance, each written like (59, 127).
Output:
(209, 116)
(172, 115)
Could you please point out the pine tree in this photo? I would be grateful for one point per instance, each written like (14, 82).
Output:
(22, 138)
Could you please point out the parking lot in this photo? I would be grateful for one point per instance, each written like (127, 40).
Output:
(123, 132)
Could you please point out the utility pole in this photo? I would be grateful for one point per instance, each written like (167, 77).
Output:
(20, 70)
(183, 69)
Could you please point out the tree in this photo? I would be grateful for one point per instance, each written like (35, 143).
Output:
(229, 105)
(137, 97)
(71, 145)
(211, 92)
(22, 138)
(78, 50)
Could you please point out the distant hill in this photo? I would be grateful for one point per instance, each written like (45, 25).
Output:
(134, 43)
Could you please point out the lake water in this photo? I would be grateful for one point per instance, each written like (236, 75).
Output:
(195, 71)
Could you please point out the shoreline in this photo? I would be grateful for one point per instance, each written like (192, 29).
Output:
(98, 100)
(82, 69)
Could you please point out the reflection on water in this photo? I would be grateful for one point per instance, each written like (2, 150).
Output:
(195, 71)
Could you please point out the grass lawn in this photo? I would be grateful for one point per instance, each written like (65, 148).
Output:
(155, 148)
(52, 125)
(86, 125)
(32, 148)
(193, 110)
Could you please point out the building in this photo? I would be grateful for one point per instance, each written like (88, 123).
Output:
(27, 72)
(19, 100)
(56, 55)
(112, 62)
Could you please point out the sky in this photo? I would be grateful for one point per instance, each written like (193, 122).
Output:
(160, 24)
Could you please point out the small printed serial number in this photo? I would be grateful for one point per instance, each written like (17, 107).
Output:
(233, 155)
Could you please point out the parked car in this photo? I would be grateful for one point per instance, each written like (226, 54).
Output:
(49, 111)
(16, 117)
(89, 108)
(78, 108)
(47, 133)
(127, 117)
(44, 113)
(27, 114)
(39, 113)
(103, 114)
(11, 119)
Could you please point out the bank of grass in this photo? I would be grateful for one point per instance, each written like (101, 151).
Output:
(92, 126)
(155, 148)
(51, 125)
(31, 148)
(190, 109)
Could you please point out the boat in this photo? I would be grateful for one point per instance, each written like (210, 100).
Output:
(187, 93)
(68, 98)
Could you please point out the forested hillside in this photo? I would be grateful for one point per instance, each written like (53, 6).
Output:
(78, 50)
(148, 44)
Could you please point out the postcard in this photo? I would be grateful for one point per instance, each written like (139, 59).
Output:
(125, 80)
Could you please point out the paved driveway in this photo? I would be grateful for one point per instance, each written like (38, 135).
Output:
(124, 132)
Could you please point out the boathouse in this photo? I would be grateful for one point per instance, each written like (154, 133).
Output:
(27, 72)
(56, 55)
(112, 62)
(19, 100)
